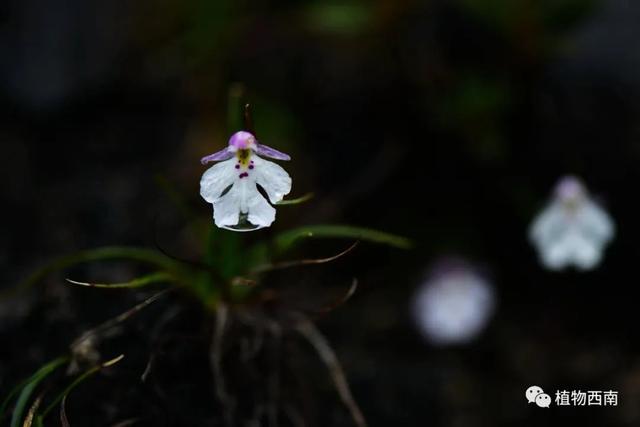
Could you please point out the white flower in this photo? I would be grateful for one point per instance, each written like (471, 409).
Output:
(454, 304)
(572, 230)
(232, 185)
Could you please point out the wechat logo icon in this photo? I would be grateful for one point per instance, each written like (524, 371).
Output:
(535, 394)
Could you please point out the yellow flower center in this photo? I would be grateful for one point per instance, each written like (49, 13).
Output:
(244, 157)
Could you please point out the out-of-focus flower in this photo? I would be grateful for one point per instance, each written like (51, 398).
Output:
(232, 185)
(454, 304)
(572, 230)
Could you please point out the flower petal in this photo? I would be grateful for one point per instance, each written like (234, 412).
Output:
(238, 205)
(595, 223)
(226, 209)
(261, 213)
(576, 239)
(559, 253)
(218, 156)
(549, 226)
(273, 178)
(265, 150)
(216, 179)
(587, 254)
(243, 198)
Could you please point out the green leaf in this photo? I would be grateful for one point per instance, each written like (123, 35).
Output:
(297, 201)
(26, 389)
(28, 421)
(284, 241)
(139, 282)
(146, 256)
(77, 382)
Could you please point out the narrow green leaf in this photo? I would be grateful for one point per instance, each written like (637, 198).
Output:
(139, 282)
(28, 421)
(146, 256)
(77, 382)
(296, 201)
(285, 240)
(26, 389)
(7, 400)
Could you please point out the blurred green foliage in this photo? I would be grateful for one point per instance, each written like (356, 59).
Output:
(340, 18)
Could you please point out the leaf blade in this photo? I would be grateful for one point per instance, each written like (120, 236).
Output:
(26, 389)
(296, 201)
(142, 255)
(138, 282)
(285, 240)
(80, 379)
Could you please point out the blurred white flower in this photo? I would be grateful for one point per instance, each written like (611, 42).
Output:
(454, 304)
(572, 230)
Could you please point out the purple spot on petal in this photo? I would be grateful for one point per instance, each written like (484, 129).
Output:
(250, 166)
(244, 175)
(237, 166)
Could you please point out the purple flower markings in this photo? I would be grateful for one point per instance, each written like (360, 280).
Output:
(231, 185)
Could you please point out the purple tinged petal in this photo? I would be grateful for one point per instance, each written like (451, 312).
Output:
(272, 153)
(241, 140)
(224, 154)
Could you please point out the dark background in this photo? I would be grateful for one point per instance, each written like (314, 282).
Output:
(445, 121)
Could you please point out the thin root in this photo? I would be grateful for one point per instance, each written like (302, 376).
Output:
(110, 324)
(340, 301)
(215, 358)
(289, 264)
(308, 330)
